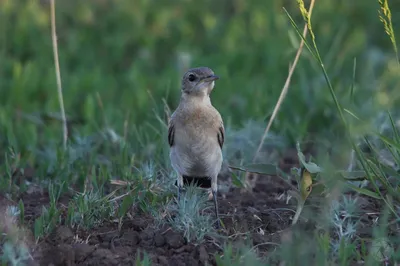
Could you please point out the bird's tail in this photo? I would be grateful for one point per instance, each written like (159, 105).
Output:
(202, 182)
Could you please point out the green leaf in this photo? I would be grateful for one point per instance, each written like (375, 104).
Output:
(236, 181)
(389, 170)
(395, 131)
(353, 175)
(70, 215)
(21, 211)
(125, 205)
(351, 113)
(318, 189)
(364, 191)
(38, 228)
(389, 141)
(310, 166)
(258, 168)
(218, 260)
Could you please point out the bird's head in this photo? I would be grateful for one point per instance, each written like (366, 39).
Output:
(198, 81)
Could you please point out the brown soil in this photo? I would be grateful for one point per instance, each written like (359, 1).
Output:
(252, 217)
(259, 217)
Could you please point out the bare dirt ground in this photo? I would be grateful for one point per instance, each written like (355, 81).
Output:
(259, 217)
(245, 216)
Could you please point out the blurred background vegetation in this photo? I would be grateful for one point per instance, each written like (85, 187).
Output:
(121, 65)
(121, 59)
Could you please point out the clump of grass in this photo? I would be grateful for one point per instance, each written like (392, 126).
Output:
(14, 248)
(47, 222)
(12, 164)
(344, 220)
(243, 255)
(147, 188)
(14, 255)
(51, 215)
(188, 215)
(89, 209)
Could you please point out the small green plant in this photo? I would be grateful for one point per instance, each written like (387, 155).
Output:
(142, 259)
(188, 216)
(12, 164)
(89, 209)
(47, 222)
(21, 211)
(345, 220)
(14, 255)
(124, 207)
(235, 257)
(51, 216)
(146, 189)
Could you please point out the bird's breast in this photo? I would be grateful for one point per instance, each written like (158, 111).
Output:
(196, 151)
(197, 160)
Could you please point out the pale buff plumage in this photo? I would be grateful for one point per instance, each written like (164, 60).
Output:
(196, 131)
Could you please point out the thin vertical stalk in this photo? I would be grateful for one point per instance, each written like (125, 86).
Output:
(58, 75)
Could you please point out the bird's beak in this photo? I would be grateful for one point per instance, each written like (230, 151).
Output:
(210, 78)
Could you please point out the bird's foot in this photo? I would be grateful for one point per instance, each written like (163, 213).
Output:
(180, 189)
(218, 224)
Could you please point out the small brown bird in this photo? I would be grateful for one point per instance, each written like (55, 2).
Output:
(196, 133)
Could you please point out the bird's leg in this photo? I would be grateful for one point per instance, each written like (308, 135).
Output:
(180, 186)
(210, 194)
(214, 189)
(216, 208)
(179, 192)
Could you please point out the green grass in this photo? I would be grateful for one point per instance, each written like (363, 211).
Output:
(121, 65)
(187, 216)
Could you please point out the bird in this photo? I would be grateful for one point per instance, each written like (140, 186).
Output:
(196, 133)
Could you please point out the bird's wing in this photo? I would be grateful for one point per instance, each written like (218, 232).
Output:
(171, 133)
(221, 134)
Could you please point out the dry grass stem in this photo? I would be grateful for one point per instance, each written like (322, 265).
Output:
(281, 97)
(58, 75)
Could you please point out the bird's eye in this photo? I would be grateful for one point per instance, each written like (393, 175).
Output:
(192, 77)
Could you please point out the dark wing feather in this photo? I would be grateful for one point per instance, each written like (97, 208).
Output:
(221, 135)
(171, 134)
